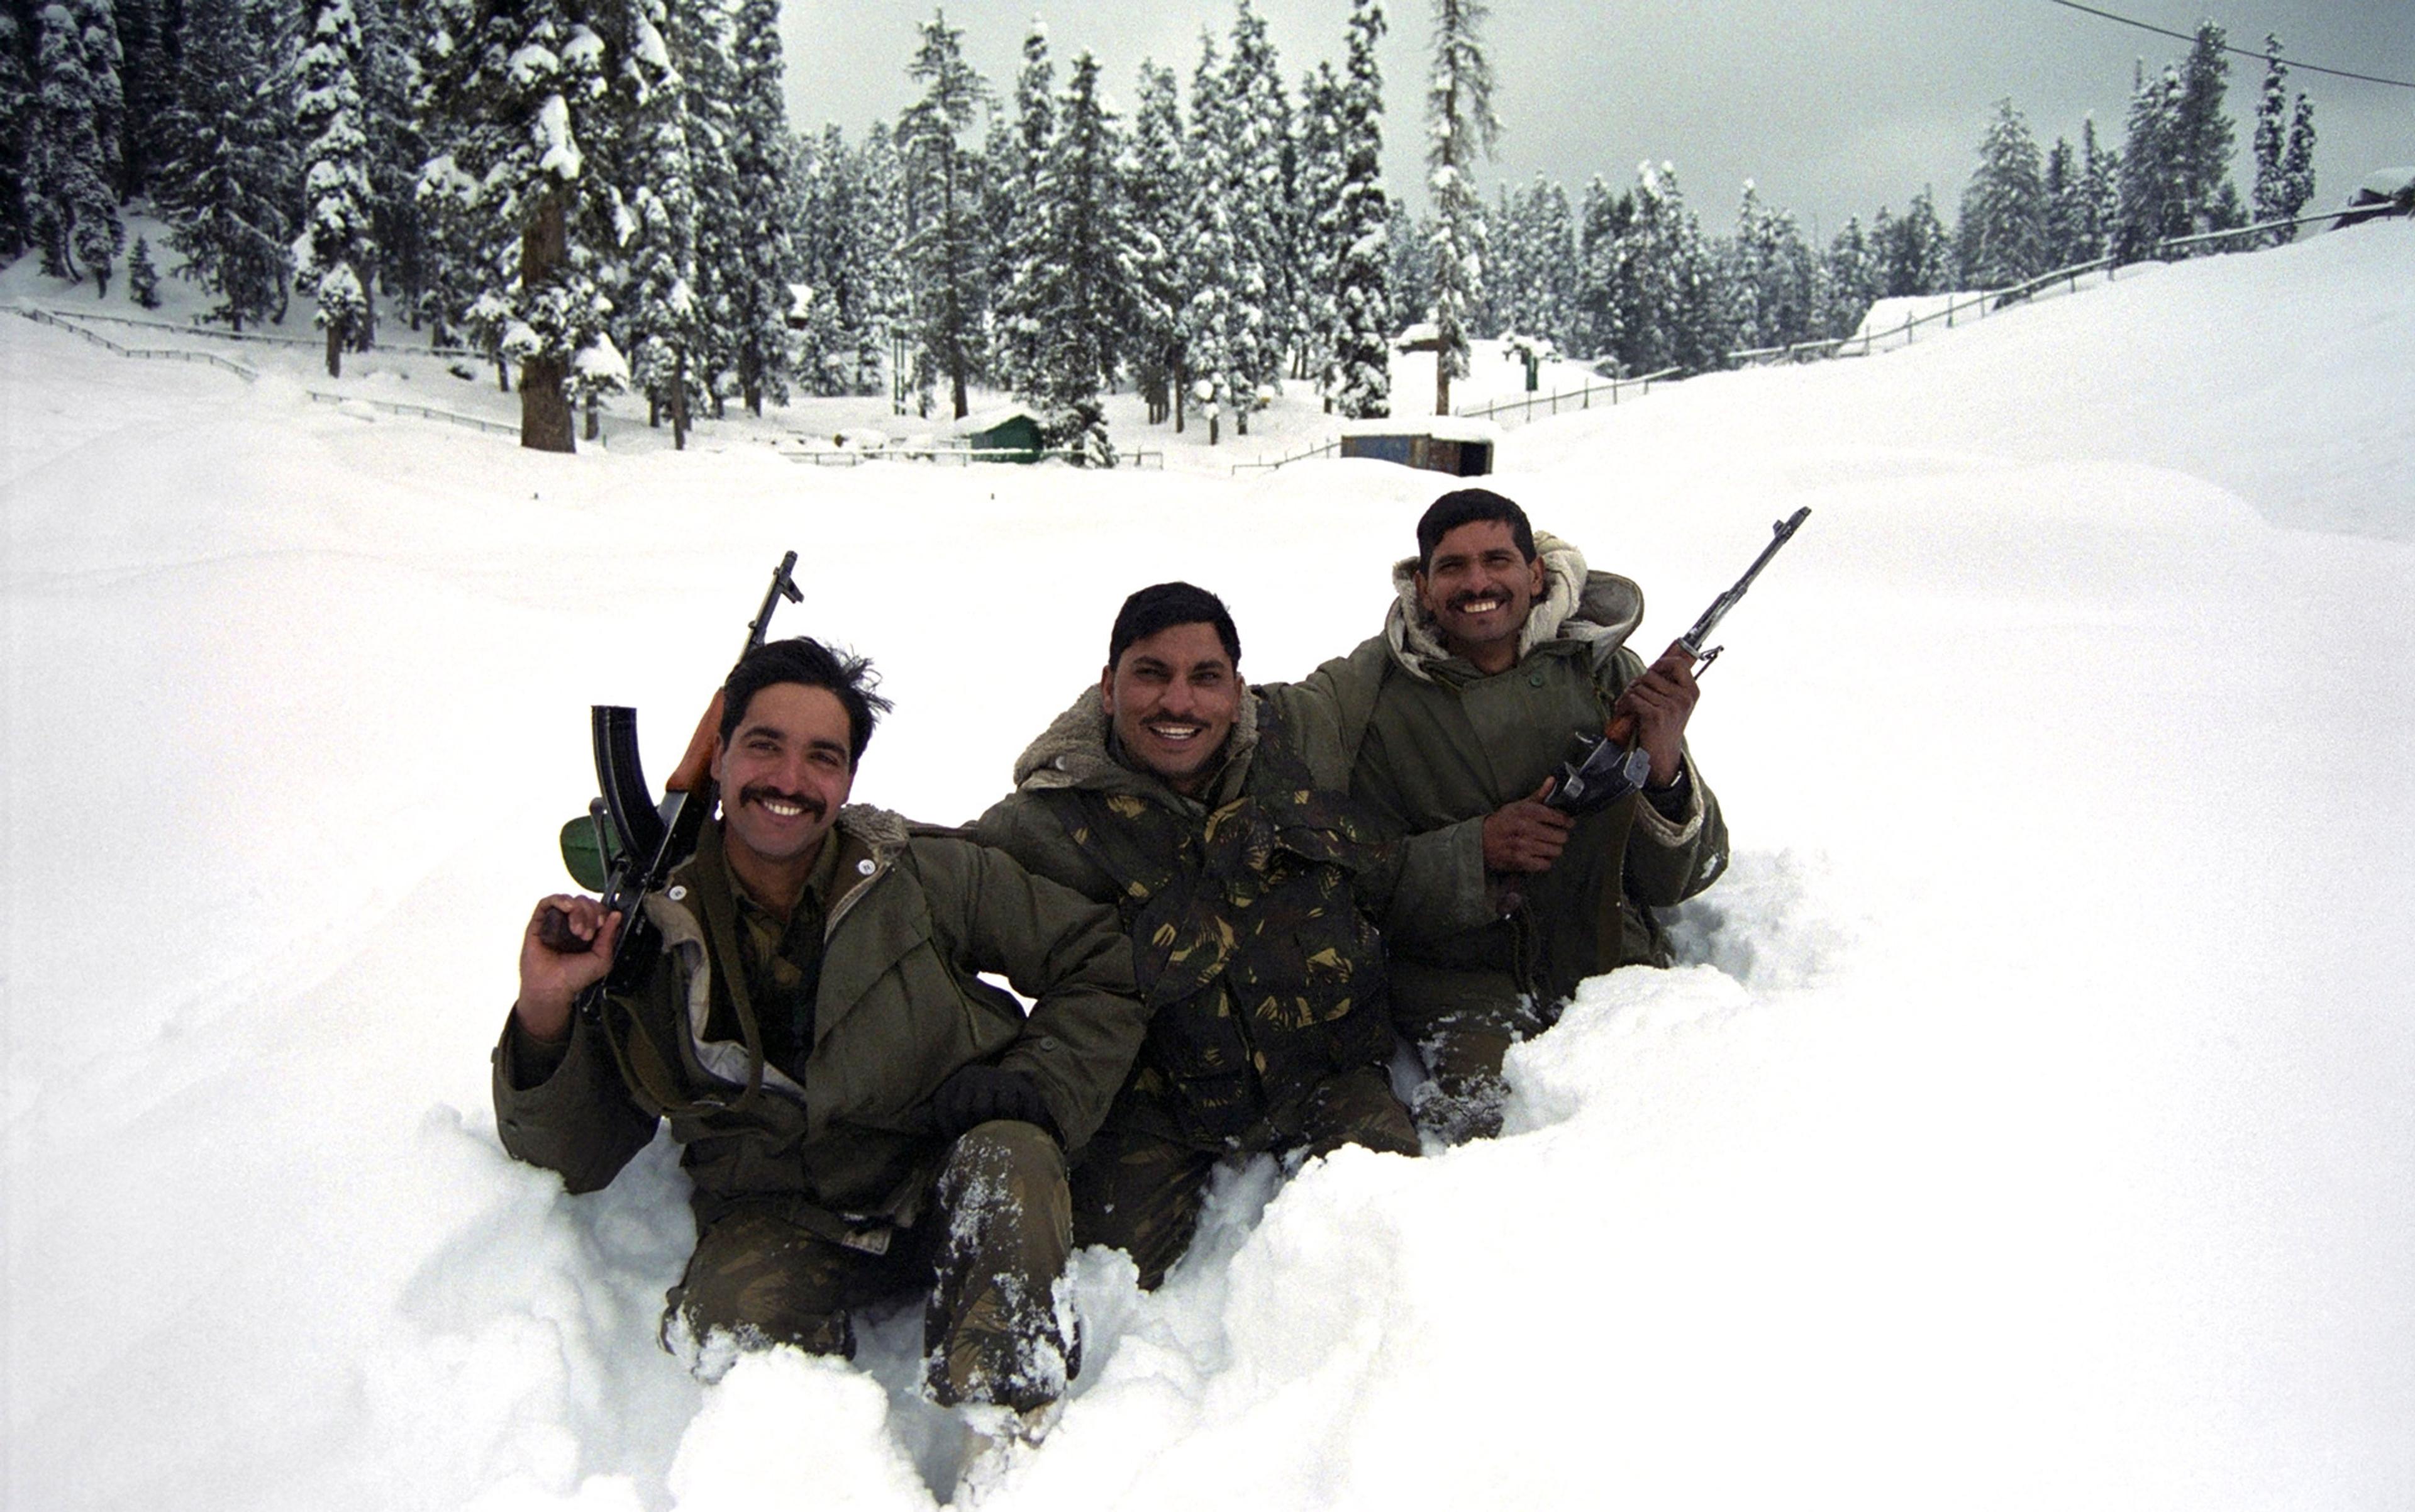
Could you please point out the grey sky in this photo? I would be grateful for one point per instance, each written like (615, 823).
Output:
(1833, 108)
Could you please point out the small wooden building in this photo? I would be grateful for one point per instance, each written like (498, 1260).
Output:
(1439, 444)
(1004, 435)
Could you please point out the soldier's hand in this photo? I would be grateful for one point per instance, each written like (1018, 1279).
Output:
(1525, 836)
(1661, 700)
(976, 1095)
(566, 949)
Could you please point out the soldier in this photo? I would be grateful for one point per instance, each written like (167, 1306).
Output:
(860, 1113)
(1500, 648)
(1195, 804)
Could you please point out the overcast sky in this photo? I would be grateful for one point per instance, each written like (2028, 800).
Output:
(1833, 108)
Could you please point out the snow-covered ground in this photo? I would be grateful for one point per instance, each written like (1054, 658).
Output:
(2033, 1124)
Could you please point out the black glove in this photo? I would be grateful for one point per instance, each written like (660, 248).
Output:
(977, 1094)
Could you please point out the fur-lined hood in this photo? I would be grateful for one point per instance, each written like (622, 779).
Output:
(1077, 749)
(1596, 609)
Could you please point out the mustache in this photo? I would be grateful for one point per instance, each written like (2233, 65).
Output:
(756, 791)
(1461, 600)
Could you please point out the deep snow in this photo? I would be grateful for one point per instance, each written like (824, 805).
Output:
(2033, 1124)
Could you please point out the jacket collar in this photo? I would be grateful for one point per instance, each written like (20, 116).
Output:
(1078, 750)
(1594, 611)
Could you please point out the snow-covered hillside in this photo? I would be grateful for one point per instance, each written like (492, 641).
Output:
(2033, 1124)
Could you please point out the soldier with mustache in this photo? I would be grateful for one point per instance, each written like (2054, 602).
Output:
(1500, 648)
(861, 1114)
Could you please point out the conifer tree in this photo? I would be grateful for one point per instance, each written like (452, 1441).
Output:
(764, 254)
(1317, 178)
(885, 326)
(945, 246)
(335, 258)
(1020, 222)
(2284, 180)
(143, 275)
(2100, 172)
(1458, 113)
(72, 150)
(16, 117)
(822, 215)
(148, 73)
(2203, 137)
(2000, 235)
(1363, 289)
(704, 50)
(1208, 251)
(224, 185)
(525, 92)
(2151, 204)
(397, 145)
(1852, 286)
(664, 318)
(1255, 119)
(1157, 191)
(1083, 278)
(1600, 300)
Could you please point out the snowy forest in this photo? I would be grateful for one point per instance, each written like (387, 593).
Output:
(605, 197)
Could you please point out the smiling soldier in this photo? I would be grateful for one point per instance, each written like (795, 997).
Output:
(1501, 648)
(1212, 816)
(862, 1115)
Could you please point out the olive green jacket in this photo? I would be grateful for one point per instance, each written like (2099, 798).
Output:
(1437, 745)
(899, 1009)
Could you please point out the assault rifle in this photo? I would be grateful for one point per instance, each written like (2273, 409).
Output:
(627, 844)
(1603, 769)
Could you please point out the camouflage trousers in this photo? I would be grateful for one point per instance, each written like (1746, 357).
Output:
(987, 1252)
(1140, 1190)
(1462, 1024)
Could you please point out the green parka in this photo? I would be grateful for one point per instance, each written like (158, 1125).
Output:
(898, 1009)
(1439, 746)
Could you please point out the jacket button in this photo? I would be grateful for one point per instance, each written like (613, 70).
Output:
(1047, 1041)
(864, 868)
(676, 893)
(1533, 679)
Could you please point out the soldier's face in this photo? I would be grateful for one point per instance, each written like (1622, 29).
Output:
(784, 773)
(1480, 588)
(1173, 699)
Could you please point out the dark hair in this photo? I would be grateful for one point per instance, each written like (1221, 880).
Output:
(1464, 506)
(1163, 606)
(849, 679)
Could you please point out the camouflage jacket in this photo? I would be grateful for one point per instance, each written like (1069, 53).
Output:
(899, 1007)
(1249, 912)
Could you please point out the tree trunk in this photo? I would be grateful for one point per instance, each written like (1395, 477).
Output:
(1442, 383)
(546, 424)
(594, 421)
(1180, 384)
(335, 350)
(679, 404)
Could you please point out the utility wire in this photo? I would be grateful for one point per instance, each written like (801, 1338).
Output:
(2188, 36)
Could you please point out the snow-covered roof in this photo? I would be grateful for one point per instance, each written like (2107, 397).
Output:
(2383, 184)
(1440, 426)
(980, 420)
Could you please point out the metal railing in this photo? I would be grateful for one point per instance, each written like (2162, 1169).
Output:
(1572, 400)
(961, 455)
(1324, 449)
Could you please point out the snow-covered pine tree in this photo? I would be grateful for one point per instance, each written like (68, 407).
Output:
(2203, 137)
(1363, 289)
(1851, 285)
(1157, 194)
(945, 244)
(1915, 255)
(224, 184)
(1408, 256)
(820, 215)
(884, 316)
(662, 318)
(1460, 126)
(15, 116)
(763, 255)
(143, 275)
(71, 209)
(2000, 237)
(1020, 218)
(2065, 207)
(147, 71)
(2100, 173)
(1670, 280)
(1600, 300)
(1083, 278)
(524, 92)
(335, 257)
(2282, 189)
(1257, 120)
(1205, 253)
(398, 149)
(1742, 276)
(1317, 175)
(104, 65)
(704, 50)
(2151, 207)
